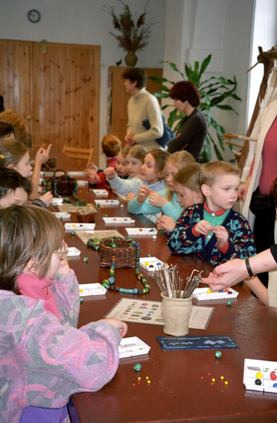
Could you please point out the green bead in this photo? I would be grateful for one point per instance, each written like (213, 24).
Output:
(72, 233)
(81, 300)
(218, 354)
(85, 259)
(229, 303)
(137, 367)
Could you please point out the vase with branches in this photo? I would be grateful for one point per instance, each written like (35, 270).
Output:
(215, 91)
(132, 32)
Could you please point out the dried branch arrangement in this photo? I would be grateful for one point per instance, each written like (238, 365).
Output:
(133, 33)
(172, 285)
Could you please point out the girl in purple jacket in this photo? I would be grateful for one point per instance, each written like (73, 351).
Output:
(44, 359)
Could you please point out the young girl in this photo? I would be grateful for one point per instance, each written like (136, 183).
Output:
(134, 161)
(186, 184)
(151, 173)
(164, 201)
(15, 155)
(43, 358)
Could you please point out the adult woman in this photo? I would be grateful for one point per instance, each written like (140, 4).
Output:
(193, 128)
(258, 188)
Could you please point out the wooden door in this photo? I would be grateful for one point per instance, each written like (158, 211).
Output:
(119, 98)
(56, 88)
(16, 75)
(66, 97)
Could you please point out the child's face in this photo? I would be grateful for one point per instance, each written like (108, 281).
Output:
(169, 172)
(148, 169)
(23, 166)
(133, 166)
(223, 193)
(121, 166)
(56, 260)
(19, 197)
(186, 196)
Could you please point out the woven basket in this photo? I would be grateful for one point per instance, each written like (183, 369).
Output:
(124, 252)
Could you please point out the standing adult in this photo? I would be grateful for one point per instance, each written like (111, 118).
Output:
(257, 191)
(142, 106)
(193, 128)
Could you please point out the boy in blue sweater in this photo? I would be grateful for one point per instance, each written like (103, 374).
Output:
(213, 230)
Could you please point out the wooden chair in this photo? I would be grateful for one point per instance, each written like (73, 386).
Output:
(79, 153)
(239, 148)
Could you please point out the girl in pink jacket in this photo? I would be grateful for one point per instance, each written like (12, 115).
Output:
(43, 358)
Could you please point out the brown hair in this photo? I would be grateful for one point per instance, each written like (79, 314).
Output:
(160, 157)
(185, 91)
(180, 159)
(19, 126)
(11, 152)
(212, 170)
(135, 75)
(26, 232)
(189, 176)
(111, 145)
(137, 152)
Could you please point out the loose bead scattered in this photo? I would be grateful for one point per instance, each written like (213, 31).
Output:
(137, 367)
(229, 303)
(81, 300)
(218, 354)
(73, 233)
(85, 260)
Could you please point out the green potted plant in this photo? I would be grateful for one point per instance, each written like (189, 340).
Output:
(214, 92)
(133, 33)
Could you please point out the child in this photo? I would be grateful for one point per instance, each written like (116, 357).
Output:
(111, 146)
(14, 188)
(213, 230)
(15, 155)
(134, 161)
(43, 359)
(186, 184)
(164, 201)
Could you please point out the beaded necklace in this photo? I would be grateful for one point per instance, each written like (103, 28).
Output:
(109, 283)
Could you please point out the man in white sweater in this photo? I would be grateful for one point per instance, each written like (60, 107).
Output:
(142, 106)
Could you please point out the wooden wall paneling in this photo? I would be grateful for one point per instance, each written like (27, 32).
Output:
(16, 76)
(118, 105)
(66, 97)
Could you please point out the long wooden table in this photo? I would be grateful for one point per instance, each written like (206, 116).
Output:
(185, 386)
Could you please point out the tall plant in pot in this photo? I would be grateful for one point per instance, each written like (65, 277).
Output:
(132, 32)
(215, 91)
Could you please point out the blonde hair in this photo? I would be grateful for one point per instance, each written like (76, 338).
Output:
(111, 145)
(19, 126)
(137, 152)
(212, 170)
(180, 159)
(26, 233)
(11, 152)
(189, 177)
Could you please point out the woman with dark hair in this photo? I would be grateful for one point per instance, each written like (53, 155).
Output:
(193, 128)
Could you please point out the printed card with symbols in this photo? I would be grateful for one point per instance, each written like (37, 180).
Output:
(260, 375)
(101, 193)
(107, 203)
(143, 232)
(87, 227)
(111, 221)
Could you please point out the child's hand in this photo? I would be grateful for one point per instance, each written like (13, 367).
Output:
(156, 199)
(119, 325)
(47, 198)
(110, 173)
(130, 196)
(92, 166)
(63, 267)
(42, 154)
(143, 193)
(222, 235)
(203, 227)
(166, 223)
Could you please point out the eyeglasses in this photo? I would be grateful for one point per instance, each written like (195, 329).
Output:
(62, 251)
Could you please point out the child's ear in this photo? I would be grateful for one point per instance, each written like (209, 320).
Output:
(205, 190)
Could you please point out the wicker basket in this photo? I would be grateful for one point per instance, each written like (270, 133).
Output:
(122, 249)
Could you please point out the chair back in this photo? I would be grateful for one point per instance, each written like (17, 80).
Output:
(79, 153)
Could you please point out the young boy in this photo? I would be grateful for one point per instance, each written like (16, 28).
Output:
(14, 188)
(213, 230)
(111, 146)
